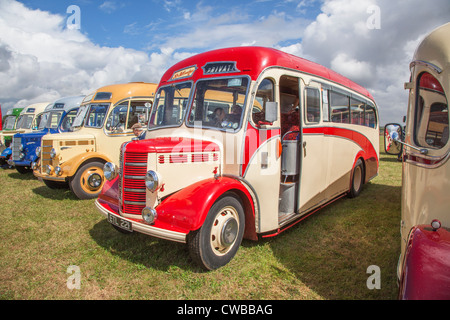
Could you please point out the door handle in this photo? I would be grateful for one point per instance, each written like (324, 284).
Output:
(304, 148)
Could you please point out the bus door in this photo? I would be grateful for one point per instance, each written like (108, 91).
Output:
(291, 140)
(314, 158)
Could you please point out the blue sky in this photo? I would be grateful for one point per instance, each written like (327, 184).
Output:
(142, 25)
(369, 41)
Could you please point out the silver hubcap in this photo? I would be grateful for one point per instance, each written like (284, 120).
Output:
(225, 230)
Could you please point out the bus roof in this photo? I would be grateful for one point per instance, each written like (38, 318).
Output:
(116, 92)
(66, 103)
(435, 48)
(35, 108)
(253, 60)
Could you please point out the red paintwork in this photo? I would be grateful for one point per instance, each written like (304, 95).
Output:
(426, 270)
(171, 145)
(187, 209)
(369, 153)
(253, 60)
(427, 81)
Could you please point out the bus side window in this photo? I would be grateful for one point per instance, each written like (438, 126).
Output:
(312, 105)
(339, 107)
(264, 94)
(432, 119)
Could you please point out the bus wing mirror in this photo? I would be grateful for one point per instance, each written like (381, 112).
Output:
(271, 112)
(392, 139)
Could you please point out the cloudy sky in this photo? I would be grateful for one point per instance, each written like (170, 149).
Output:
(50, 49)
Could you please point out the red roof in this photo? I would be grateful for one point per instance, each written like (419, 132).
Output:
(253, 60)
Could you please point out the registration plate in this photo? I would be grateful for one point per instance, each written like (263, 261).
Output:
(119, 222)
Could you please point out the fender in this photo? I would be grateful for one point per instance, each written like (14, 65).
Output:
(426, 269)
(188, 208)
(70, 167)
(6, 153)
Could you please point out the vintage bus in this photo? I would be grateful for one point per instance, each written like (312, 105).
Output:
(9, 127)
(58, 117)
(28, 121)
(104, 122)
(293, 136)
(424, 264)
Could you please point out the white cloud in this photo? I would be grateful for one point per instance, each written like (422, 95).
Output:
(378, 59)
(42, 61)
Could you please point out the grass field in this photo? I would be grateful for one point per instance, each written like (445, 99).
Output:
(43, 232)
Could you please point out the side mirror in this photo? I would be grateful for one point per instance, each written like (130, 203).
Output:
(392, 139)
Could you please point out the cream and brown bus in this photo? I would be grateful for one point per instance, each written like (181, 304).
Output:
(103, 123)
(242, 143)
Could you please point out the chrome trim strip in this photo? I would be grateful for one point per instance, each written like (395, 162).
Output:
(426, 64)
(137, 203)
(135, 190)
(136, 164)
(134, 178)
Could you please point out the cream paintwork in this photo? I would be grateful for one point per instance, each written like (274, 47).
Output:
(39, 108)
(75, 148)
(321, 180)
(425, 188)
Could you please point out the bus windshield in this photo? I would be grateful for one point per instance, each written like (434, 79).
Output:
(9, 123)
(96, 115)
(170, 106)
(68, 120)
(44, 120)
(25, 121)
(219, 103)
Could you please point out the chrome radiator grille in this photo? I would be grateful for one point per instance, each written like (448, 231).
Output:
(17, 142)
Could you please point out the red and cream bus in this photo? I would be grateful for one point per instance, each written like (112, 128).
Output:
(424, 264)
(242, 143)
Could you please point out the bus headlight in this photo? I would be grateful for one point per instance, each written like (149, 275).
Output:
(34, 165)
(58, 171)
(53, 153)
(38, 152)
(22, 156)
(110, 171)
(49, 170)
(152, 181)
(21, 148)
(149, 215)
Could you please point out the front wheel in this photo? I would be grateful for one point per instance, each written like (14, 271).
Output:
(217, 241)
(88, 181)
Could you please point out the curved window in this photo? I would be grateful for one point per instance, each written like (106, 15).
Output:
(96, 115)
(219, 103)
(264, 94)
(431, 114)
(170, 106)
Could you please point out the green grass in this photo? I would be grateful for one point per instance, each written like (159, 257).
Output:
(45, 231)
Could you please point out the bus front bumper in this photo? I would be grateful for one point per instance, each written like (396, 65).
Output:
(138, 226)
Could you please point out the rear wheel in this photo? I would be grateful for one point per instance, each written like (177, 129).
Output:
(357, 179)
(88, 181)
(217, 241)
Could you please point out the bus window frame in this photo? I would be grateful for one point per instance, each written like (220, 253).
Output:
(244, 104)
(155, 105)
